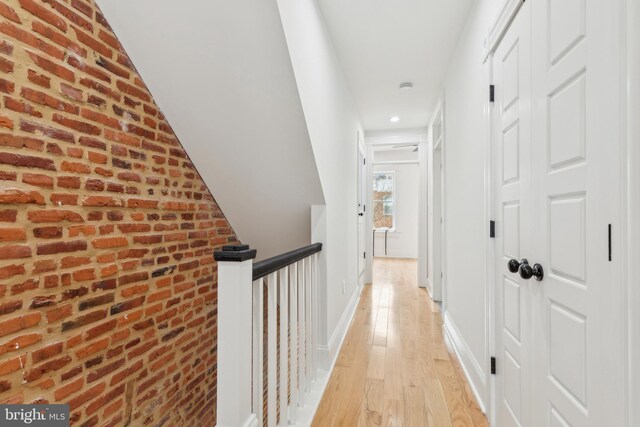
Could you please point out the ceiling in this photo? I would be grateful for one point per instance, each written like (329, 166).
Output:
(383, 43)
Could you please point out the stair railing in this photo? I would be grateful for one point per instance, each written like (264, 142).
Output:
(257, 387)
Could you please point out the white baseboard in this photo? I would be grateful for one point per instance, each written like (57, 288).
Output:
(472, 369)
(327, 356)
(398, 254)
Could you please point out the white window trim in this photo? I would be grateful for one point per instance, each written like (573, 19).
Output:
(393, 229)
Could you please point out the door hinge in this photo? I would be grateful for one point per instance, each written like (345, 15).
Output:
(492, 229)
(364, 255)
(493, 366)
(364, 161)
(610, 251)
(492, 93)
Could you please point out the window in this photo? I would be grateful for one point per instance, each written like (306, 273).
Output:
(384, 207)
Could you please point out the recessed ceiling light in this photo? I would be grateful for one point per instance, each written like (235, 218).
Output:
(406, 86)
(394, 119)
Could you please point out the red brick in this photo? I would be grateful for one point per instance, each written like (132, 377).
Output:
(64, 199)
(38, 180)
(27, 161)
(39, 79)
(15, 252)
(44, 13)
(11, 270)
(9, 13)
(36, 373)
(69, 388)
(21, 197)
(59, 313)
(58, 38)
(77, 125)
(53, 68)
(53, 215)
(9, 307)
(19, 323)
(86, 396)
(14, 234)
(61, 247)
(47, 232)
(19, 343)
(70, 15)
(48, 100)
(46, 352)
(6, 122)
(110, 242)
(92, 348)
(12, 364)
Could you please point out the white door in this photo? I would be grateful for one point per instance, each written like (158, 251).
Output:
(559, 341)
(512, 180)
(577, 319)
(362, 179)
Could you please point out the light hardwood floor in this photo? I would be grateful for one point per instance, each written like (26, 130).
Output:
(394, 368)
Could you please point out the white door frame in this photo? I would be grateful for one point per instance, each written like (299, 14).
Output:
(437, 206)
(361, 156)
(411, 136)
(633, 204)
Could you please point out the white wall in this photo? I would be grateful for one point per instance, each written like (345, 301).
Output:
(333, 124)
(395, 155)
(221, 73)
(403, 241)
(466, 288)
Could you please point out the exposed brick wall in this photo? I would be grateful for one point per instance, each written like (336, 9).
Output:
(108, 296)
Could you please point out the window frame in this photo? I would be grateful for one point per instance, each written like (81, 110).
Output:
(393, 174)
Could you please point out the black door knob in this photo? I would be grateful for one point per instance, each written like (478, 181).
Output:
(361, 214)
(538, 272)
(514, 265)
(526, 272)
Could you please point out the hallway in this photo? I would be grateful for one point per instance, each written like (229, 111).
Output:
(392, 372)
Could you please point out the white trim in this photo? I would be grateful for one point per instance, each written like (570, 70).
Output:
(437, 240)
(472, 369)
(252, 421)
(490, 254)
(500, 26)
(327, 354)
(397, 162)
(633, 205)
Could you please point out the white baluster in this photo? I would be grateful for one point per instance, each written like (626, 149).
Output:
(283, 278)
(307, 322)
(293, 327)
(302, 333)
(272, 350)
(258, 350)
(314, 322)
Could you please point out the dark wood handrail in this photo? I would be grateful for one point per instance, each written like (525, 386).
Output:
(271, 265)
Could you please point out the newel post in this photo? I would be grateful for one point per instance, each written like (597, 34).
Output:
(235, 279)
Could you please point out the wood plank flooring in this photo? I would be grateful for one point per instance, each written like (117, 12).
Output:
(394, 368)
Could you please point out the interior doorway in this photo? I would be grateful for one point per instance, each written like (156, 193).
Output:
(394, 208)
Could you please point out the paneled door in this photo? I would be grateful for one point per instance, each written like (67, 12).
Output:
(577, 322)
(556, 151)
(514, 219)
